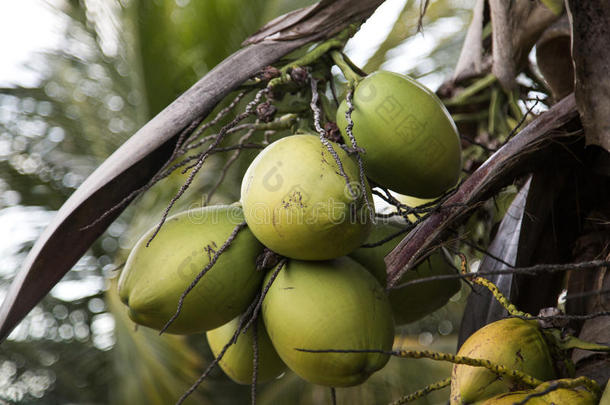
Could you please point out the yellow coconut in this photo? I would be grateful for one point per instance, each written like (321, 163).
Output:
(512, 342)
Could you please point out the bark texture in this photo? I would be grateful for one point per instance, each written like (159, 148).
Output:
(590, 21)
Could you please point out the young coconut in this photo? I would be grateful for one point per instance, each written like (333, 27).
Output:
(155, 277)
(512, 342)
(334, 304)
(411, 142)
(416, 301)
(297, 202)
(237, 362)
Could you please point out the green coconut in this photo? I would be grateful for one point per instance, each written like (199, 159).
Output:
(411, 142)
(418, 300)
(297, 203)
(512, 342)
(155, 277)
(333, 304)
(237, 362)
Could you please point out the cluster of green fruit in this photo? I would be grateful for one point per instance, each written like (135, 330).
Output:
(302, 199)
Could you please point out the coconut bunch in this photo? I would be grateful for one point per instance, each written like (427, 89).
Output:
(296, 266)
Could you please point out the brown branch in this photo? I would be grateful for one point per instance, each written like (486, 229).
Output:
(471, 57)
(591, 54)
(328, 16)
(488, 178)
(504, 66)
(530, 270)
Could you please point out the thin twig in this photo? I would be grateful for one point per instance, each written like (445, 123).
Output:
(203, 272)
(530, 270)
(388, 238)
(322, 133)
(228, 164)
(250, 108)
(564, 316)
(520, 123)
(247, 126)
(423, 392)
(279, 267)
(350, 126)
(480, 249)
(480, 145)
(581, 381)
(497, 369)
(587, 294)
(221, 114)
(161, 174)
(240, 328)
(247, 319)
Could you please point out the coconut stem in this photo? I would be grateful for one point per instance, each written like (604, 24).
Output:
(569, 383)
(245, 322)
(316, 120)
(241, 327)
(284, 122)
(349, 73)
(471, 90)
(497, 369)
(513, 97)
(512, 309)
(334, 43)
(202, 273)
(423, 392)
(221, 114)
(349, 129)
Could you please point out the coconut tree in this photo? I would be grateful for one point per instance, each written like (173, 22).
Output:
(524, 154)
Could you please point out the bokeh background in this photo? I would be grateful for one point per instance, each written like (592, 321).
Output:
(77, 78)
